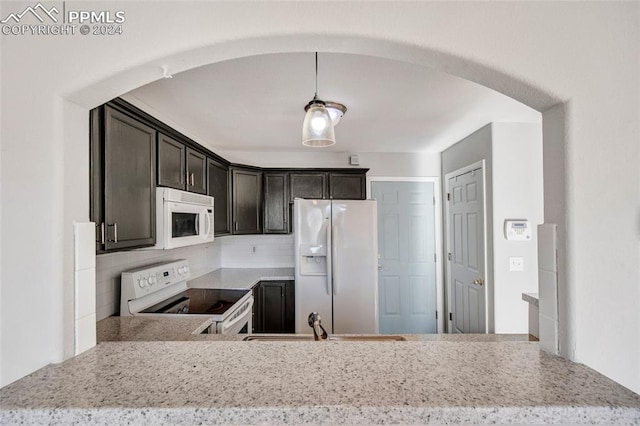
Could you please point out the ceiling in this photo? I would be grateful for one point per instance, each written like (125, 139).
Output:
(257, 103)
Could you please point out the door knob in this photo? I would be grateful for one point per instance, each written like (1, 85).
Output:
(479, 281)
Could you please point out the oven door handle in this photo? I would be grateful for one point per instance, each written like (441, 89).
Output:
(243, 316)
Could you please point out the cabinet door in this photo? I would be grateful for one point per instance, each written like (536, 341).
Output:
(196, 172)
(130, 158)
(219, 189)
(247, 201)
(171, 161)
(308, 185)
(290, 307)
(347, 186)
(272, 301)
(276, 203)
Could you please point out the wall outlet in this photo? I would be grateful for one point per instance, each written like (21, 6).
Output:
(516, 264)
(253, 249)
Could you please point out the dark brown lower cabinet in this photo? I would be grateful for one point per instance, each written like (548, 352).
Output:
(274, 307)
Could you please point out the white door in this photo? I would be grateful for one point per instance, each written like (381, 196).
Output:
(467, 256)
(406, 243)
(354, 266)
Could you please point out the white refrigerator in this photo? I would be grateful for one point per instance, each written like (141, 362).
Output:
(336, 252)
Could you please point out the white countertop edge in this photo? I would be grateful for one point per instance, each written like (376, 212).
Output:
(322, 415)
(531, 298)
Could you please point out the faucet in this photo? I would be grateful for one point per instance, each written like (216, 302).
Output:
(314, 322)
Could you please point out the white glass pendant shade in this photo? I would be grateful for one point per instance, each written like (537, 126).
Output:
(317, 129)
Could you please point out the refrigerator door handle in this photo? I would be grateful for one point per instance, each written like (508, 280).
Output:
(334, 257)
(328, 258)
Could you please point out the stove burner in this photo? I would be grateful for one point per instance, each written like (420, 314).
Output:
(219, 307)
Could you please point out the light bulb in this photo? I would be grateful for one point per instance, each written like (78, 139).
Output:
(318, 124)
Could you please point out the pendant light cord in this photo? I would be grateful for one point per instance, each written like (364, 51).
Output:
(316, 94)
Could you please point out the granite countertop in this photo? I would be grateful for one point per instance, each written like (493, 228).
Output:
(227, 382)
(531, 298)
(241, 278)
(180, 328)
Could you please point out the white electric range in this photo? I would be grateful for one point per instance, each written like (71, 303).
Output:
(161, 289)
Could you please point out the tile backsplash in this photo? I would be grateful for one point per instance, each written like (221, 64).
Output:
(202, 258)
(233, 251)
(257, 251)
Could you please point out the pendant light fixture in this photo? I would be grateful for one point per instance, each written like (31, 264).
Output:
(317, 129)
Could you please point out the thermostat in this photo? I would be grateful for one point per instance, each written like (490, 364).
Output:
(517, 230)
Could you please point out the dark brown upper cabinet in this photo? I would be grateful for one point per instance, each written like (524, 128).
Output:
(172, 157)
(219, 187)
(181, 167)
(246, 200)
(276, 203)
(347, 186)
(123, 180)
(196, 171)
(313, 185)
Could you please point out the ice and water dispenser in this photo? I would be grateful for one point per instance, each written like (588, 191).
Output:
(313, 259)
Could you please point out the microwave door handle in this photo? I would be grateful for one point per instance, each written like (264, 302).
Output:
(207, 225)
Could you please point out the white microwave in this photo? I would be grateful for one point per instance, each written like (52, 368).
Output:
(182, 218)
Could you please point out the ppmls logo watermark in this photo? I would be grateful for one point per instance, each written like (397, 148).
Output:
(57, 20)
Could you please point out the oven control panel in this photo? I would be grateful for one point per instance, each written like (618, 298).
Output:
(149, 279)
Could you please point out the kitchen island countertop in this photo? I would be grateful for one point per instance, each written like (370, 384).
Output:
(235, 382)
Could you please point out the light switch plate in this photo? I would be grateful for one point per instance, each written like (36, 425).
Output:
(516, 264)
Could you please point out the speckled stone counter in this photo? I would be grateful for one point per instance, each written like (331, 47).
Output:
(180, 328)
(239, 278)
(220, 382)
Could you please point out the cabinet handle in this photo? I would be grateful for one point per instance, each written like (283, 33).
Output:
(115, 232)
(192, 179)
(102, 233)
(236, 225)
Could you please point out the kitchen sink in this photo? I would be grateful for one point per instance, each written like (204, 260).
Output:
(337, 338)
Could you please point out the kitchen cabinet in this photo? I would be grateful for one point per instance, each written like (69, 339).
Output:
(123, 158)
(276, 203)
(246, 200)
(181, 167)
(308, 185)
(171, 162)
(347, 186)
(218, 187)
(274, 309)
(196, 171)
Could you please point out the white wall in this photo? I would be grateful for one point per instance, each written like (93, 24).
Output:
(379, 163)
(597, 67)
(517, 194)
(202, 258)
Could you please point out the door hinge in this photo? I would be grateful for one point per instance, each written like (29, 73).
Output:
(448, 196)
(450, 316)
(435, 259)
(434, 201)
(436, 314)
(449, 256)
